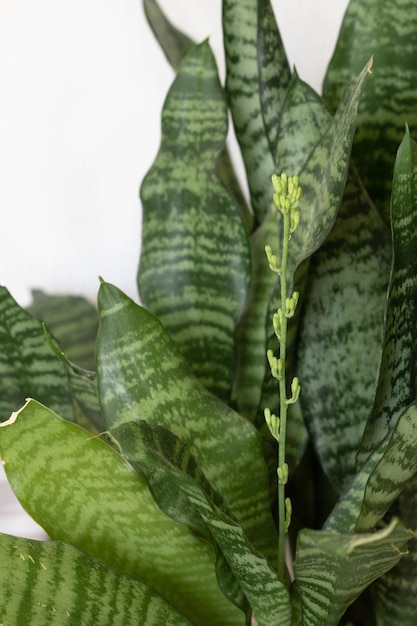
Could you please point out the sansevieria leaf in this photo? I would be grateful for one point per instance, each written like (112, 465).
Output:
(397, 383)
(195, 262)
(55, 583)
(142, 376)
(28, 366)
(341, 332)
(331, 570)
(182, 492)
(82, 491)
(243, 28)
(387, 31)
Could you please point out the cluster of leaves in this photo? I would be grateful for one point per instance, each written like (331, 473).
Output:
(149, 464)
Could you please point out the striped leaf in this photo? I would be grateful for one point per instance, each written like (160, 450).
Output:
(397, 383)
(274, 71)
(243, 28)
(395, 594)
(380, 480)
(341, 330)
(141, 375)
(82, 491)
(387, 31)
(54, 583)
(28, 367)
(195, 264)
(183, 493)
(73, 321)
(331, 570)
(304, 119)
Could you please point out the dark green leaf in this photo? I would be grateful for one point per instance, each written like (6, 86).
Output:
(341, 331)
(241, 31)
(174, 43)
(73, 320)
(28, 367)
(195, 263)
(53, 583)
(141, 375)
(397, 384)
(82, 491)
(386, 30)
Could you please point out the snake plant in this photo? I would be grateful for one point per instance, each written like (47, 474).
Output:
(241, 447)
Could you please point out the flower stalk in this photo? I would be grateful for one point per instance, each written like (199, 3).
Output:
(287, 194)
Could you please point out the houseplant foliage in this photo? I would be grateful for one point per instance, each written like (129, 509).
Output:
(145, 453)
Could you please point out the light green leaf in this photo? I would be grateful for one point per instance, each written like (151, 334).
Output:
(183, 493)
(54, 583)
(82, 491)
(142, 376)
(397, 382)
(341, 331)
(387, 31)
(195, 264)
(28, 367)
(331, 570)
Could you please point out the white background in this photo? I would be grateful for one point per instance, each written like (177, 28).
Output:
(82, 84)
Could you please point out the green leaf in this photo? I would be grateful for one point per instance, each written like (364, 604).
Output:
(397, 383)
(73, 320)
(195, 264)
(380, 480)
(174, 43)
(274, 72)
(340, 334)
(395, 593)
(331, 570)
(55, 583)
(82, 491)
(387, 31)
(183, 493)
(142, 376)
(242, 30)
(28, 366)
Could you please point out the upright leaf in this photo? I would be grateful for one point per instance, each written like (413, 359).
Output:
(341, 332)
(55, 583)
(142, 376)
(387, 31)
(28, 367)
(82, 491)
(73, 320)
(194, 269)
(253, 94)
(397, 383)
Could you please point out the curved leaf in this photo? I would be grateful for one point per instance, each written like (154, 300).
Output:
(331, 570)
(55, 583)
(195, 263)
(182, 492)
(387, 31)
(397, 383)
(142, 376)
(82, 491)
